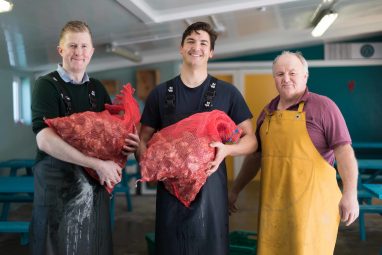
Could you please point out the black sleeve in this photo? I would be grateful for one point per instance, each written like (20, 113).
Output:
(104, 96)
(45, 103)
(229, 99)
(239, 110)
(151, 113)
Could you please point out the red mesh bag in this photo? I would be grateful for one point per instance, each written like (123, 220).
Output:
(179, 154)
(101, 134)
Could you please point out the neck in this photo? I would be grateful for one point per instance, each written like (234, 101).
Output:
(75, 76)
(285, 103)
(193, 77)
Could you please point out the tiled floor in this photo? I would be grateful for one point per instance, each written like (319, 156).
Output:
(130, 227)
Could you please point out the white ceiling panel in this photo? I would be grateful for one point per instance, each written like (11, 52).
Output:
(153, 28)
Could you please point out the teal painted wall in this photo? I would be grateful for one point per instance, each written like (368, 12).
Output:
(313, 53)
(361, 107)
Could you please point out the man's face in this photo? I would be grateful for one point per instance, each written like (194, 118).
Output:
(196, 49)
(290, 77)
(76, 50)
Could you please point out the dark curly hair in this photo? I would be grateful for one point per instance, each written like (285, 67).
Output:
(201, 26)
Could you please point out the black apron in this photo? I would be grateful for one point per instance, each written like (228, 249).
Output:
(203, 227)
(70, 212)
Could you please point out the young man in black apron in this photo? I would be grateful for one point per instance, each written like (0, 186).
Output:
(71, 209)
(203, 227)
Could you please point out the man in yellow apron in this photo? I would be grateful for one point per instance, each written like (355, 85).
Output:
(301, 134)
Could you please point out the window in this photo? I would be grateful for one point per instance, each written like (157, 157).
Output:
(22, 100)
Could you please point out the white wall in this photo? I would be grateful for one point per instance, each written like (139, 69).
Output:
(17, 141)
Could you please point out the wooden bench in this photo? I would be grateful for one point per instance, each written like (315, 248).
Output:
(21, 198)
(19, 188)
(14, 165)
(21, 227)
(367, 145)
(376, 191)
(364, 196)
(366, 209)
(370, 170)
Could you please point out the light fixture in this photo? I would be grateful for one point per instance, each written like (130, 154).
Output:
(145, 39)
(218, 27)
(324, 21)
(5, 6)
(123, 52)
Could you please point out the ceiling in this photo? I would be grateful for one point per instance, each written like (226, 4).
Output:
(151, 29)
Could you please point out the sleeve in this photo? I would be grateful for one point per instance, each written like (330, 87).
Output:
(335, 129)
(151, 112)
(259, 122)
(239, 110)
(272, 105)
(45, 103)
(105, 98)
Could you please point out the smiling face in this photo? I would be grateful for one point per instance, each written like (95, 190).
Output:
(290, 77)
(196, 49)
(76, 50)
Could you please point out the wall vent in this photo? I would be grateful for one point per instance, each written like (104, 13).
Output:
(353, 50)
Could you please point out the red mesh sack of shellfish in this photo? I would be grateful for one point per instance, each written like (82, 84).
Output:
(101, 134)
(179, 154)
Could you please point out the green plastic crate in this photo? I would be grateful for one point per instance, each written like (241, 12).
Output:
(240, 243)
(150, 239)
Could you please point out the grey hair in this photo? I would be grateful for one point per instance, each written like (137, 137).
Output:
(297, 54)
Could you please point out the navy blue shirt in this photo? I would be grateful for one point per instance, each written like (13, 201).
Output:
(228, 99)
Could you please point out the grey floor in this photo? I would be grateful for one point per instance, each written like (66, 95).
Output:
(130, 227)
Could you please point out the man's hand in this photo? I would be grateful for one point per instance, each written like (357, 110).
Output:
(232, 198)
(109, 173)
(131, 143)
(221, 153)
(349, 208)
(348, 170)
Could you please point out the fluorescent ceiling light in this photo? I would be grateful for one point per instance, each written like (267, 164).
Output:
(123, 52)
(145, 39)
(5, 6)
(219, 28)
(324, 23)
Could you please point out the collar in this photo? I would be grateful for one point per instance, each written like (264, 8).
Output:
(272, 106)
(65, 76)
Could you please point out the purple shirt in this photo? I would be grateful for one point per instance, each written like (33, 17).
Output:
(325, 123)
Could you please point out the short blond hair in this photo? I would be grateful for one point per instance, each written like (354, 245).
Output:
(76, 26)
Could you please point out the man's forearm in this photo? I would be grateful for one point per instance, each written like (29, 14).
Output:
(248, 171)
(246, 145)
(49, 142)
(347, 168)
(145, 134)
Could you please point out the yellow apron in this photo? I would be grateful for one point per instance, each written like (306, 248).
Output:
(299, 212)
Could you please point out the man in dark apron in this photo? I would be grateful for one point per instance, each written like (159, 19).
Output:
(203, 227)
(301, 134)
(70, 210)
